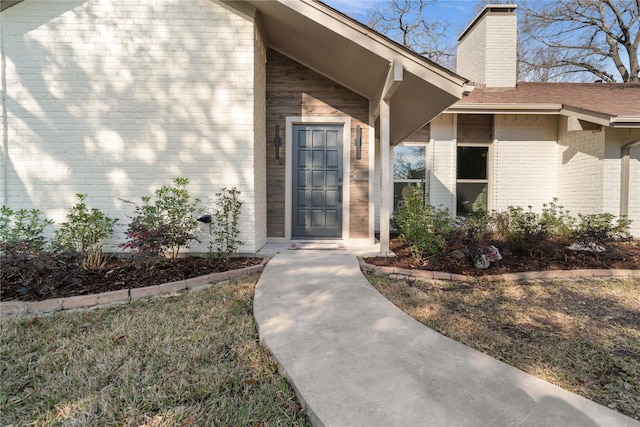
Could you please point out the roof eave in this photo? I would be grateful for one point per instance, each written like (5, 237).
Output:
(497, 108)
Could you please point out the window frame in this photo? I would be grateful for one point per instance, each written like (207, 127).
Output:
(487, 181)
(424, 181)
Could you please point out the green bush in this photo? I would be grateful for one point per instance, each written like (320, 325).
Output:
(556, 220)
(21, 231)
(525, 229)
(425, 228)
(84, 231)
(225, 224)
(599, 229)
(166, 225)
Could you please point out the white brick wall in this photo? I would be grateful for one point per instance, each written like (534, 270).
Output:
(615, 140)
(260, 149)
(115, 98)
(471, 58)
(502, 46)
(524, 161)
(441, 160)
(580, 169)
(488, 52)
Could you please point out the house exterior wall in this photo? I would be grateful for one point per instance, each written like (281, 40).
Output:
(615, 140)
(441, 161)
(524, 160)
(471, 59)
(260, 140)
(487, 53)
(295, 90)
(580, 169)
(115, 99)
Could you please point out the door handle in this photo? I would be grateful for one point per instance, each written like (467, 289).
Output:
(339, 193)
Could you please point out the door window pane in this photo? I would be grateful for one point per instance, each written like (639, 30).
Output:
(472, 162)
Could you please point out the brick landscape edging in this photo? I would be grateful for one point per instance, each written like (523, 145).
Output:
(401, 273)
(123, 296)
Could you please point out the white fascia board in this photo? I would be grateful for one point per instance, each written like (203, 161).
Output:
(504, 109)
(586, 115)
(625, 122)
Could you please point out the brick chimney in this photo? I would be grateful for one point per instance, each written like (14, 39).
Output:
(487, 48)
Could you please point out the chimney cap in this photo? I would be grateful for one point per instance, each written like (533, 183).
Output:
(490, 8)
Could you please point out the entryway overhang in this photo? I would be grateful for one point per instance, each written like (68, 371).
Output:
(359, 59)
(405, 90)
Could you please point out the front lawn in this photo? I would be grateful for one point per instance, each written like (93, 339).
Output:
(194, 360)
(582, 335)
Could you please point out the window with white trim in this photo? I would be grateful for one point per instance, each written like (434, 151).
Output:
(475, 136)
(472, 180)
(409, 169)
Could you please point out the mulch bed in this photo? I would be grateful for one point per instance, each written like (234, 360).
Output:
(44, 277)
(553, 257)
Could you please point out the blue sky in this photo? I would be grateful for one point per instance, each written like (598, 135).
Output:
(458, 12)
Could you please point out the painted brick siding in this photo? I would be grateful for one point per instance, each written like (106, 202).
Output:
(441, 162)
(116, 98)
(615, 140)
(524, 161)
(487, 54)
(580, 169)
(260, 142)
(502, 46)
(471, 54)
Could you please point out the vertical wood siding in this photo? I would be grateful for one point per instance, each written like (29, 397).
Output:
(294, 90)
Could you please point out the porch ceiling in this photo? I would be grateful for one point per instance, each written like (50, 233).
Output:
(359, 59)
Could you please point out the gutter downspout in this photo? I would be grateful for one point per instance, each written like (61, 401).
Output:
(625, 156)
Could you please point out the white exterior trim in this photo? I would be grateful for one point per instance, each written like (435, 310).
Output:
(345, 121)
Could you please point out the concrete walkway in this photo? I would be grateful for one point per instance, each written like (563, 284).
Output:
(354, 359)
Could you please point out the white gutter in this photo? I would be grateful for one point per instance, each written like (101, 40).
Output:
(625, 121)
(504, 109)
(625, 156)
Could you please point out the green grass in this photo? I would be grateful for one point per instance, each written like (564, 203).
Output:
(189, 360)
(583, 336)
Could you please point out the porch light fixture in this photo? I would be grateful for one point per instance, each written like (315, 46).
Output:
(277, 141)
(358, 142)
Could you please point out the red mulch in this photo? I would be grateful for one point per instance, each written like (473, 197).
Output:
(553, 257)
(44, 277)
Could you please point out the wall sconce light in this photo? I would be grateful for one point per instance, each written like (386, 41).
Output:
(207, 219)
(277, 141)
(358, 142)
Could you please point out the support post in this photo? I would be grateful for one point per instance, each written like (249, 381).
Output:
(385, 175)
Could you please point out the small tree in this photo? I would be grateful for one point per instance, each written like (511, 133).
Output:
(166, 225)
(84, 231)
(225, 224)
(21, 231)
(425, 228)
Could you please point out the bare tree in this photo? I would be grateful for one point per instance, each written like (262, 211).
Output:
(405, 22)
(565, 38)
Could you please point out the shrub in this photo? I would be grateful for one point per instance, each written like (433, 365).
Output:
(556, 220)
(166, 225)
(525, 229)
(425, 228)
(225, 224)
(21, 231)
(84, 231)
(594, 230)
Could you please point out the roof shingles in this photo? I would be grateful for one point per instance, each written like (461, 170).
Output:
(614, 99)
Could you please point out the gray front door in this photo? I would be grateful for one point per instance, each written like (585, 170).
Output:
(317, 181)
